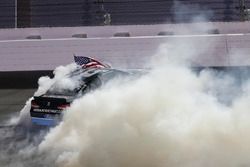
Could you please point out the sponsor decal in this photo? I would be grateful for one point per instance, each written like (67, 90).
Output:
(46, 110)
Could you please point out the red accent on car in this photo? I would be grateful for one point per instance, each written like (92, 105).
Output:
(34, 104)
(63, 106)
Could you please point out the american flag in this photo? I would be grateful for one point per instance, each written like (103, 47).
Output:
(87, 62)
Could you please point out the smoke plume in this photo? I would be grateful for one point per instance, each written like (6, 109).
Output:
(170, 116)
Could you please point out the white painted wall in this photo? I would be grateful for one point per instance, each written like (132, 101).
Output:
(134, 30)
(57, 48)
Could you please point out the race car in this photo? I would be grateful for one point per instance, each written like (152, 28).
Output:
(48, 108)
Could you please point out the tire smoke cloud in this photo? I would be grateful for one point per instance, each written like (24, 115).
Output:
(171, 116)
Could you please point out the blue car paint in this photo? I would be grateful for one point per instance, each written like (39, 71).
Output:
(43, 121)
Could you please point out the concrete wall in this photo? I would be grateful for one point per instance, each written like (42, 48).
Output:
(134, 30)
(57, 45)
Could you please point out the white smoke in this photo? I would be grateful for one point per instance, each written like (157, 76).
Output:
(20, 139)
(182, 12)
(61, 79)
(168, 117)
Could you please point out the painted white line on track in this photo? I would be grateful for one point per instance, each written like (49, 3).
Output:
(118, 38)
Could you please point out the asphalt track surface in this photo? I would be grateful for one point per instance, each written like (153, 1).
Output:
(12, 101)
(14, 138)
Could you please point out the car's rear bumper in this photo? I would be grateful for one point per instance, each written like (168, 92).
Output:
(44, 121)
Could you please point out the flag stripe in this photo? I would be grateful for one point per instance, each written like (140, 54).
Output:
(87, 62)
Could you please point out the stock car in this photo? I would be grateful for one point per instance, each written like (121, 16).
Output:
(47, 109)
